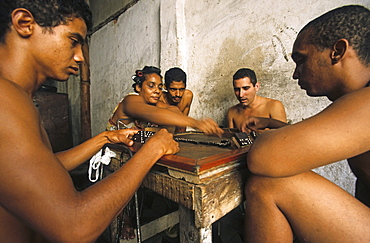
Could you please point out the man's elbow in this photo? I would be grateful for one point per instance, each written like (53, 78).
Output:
(65, 230)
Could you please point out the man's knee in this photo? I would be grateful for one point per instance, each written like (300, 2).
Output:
(257, 186)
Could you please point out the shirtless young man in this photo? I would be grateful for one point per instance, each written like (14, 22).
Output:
(147, 106)
(284, 198)
(246, 87)
(38, 202)
(177, 94)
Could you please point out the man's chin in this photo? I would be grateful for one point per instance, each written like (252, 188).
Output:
(176, 101)
(61, 79)
(244, 104)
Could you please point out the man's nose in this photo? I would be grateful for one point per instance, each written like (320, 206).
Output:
(241, 93)
(296, 73)
(79, 56)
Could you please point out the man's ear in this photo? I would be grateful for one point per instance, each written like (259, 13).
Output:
(257, 86)
(339, 50)
(23, 22)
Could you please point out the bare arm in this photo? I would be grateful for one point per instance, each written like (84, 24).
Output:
(339, 132)
(229, 117)
(77, 155)
(135, 106)
(37, 189)
(277, 111)
(187, 99)
(258, 124)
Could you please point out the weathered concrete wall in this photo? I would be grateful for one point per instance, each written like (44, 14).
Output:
(210, 40)
(116, 51)
(104, 11)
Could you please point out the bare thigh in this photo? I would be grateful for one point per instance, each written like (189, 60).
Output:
(316, 209)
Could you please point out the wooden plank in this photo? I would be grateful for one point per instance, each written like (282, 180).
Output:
(206, 175)
(158, 225)
(189, 233)
(218, 197)
(174, 189)
(210, 201)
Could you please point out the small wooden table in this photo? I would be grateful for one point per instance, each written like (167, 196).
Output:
(206, 181)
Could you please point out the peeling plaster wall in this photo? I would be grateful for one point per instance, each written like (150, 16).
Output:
(210, 40)
(116, 51)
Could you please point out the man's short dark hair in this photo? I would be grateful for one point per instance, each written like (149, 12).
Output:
(174, 74)
(246, 73)
(47, 13)
(351, 22)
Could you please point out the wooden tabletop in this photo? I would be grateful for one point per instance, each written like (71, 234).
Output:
(199, 153)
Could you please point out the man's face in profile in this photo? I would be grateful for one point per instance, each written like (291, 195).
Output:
(314, 68)
(64, 49)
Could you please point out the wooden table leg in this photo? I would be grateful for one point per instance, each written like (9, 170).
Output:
(188, 232)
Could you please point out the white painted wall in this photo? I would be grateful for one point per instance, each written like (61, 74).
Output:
(210, 40)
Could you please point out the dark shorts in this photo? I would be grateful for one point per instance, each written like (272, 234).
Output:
(362, 193)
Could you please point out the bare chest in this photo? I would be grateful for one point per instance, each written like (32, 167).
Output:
(259, 111)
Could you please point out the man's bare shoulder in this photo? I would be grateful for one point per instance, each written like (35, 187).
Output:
(19, 114)
(274, 103)
(235, 109)
(268, 101)
(187, 97)
(8, 87)
(356, 100)
(188, 93)
(14, 99)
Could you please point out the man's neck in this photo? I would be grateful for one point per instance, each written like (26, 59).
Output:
(15, 67)
(254, 104)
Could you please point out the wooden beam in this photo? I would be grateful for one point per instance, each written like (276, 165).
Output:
(85, 95)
